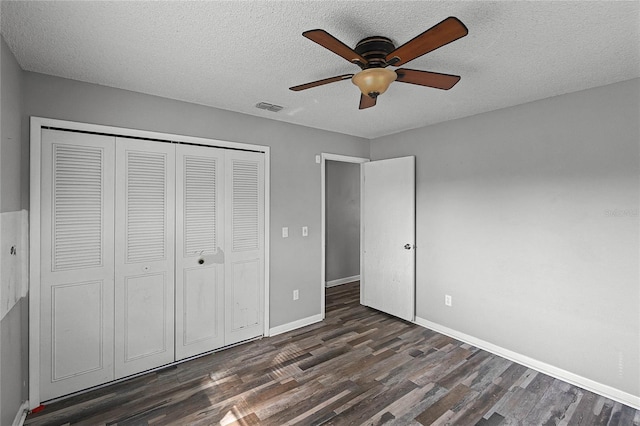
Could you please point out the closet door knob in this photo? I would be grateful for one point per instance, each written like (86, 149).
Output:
(200, 261)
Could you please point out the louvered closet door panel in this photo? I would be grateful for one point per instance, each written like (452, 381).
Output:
(144, 273)
(76, 306)
(244, 275)
(200, 257)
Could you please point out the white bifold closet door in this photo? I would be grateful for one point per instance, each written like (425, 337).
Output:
(199, 250)
(144, 259)
(77, 262)
(244, 274)
(219, 248)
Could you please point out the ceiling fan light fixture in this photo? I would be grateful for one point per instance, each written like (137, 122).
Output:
(374, 81)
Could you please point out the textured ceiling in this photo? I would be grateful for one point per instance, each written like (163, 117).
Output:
(232, 55)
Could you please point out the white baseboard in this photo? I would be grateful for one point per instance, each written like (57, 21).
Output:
(555, 372)
(341, 281)
(295, 325)
(21, 415)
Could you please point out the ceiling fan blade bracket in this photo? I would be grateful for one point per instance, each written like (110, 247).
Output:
(359, 63)
(393, 61)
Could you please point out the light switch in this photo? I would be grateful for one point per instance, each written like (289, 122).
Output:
(285, 232)
(317, 159)
(305, 231)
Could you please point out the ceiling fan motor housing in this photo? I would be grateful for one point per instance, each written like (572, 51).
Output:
(375, 49)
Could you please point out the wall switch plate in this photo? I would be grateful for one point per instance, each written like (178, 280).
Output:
(296, 295)
(447, 300)
(285, 232)
(317, 159)
(305, 231)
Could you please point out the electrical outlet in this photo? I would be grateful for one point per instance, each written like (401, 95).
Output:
(447, 300)
(296, 295)
(285, 232)
(305, 231)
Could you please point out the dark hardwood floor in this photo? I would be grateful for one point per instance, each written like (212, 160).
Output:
(359, 366)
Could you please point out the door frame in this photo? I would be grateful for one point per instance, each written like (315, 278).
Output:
(323, 217)
(35, 161)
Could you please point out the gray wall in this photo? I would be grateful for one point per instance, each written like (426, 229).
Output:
(11, 147)
(295, 177)
(13, 321)
(342, 220)
(528, 217)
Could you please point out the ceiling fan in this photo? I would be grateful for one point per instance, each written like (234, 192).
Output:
(374, 54)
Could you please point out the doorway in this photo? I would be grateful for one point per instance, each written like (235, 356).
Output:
(340, 233)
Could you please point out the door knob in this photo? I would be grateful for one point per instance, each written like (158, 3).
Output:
(407, 246)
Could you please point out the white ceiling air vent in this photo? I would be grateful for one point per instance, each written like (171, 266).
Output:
(268, 106)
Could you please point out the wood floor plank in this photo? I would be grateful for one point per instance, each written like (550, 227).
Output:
(312, 403)
(494, 420)
(358, 366)
(399, 407)
(430, 397)
(517, 404)
(622, 415)
(553, 404)
(471, 364)
(583, 414)
(436, 410)
(438, 365)
(366, 408)
(473, 412)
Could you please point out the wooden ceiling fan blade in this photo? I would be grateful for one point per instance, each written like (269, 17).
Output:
(321, 82)
(427, 78)
(328, 41)
(366, 101)
(437, 36)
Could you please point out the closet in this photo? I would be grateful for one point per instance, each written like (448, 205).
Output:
(150, 252)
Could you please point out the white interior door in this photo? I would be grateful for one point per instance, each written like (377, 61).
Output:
(144, 268)
(200, 256)
(244, 275)
(388, 236)
(77, 261)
